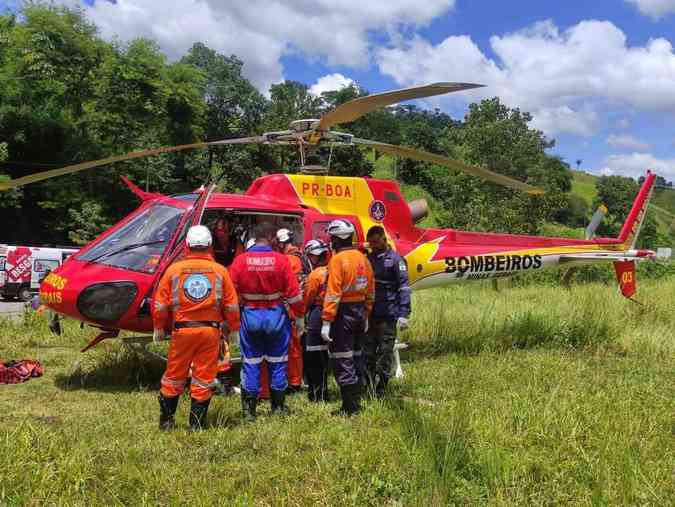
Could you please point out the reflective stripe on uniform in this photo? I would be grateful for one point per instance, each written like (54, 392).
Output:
(341, 355)
(294, 299)
(253, 360)
(231, 308)
(333, 299)
(357, 353)
(262, 297)
(404, 289)
(219, 290)
(175, 301)
(276, 359)
(159, 307)
(206, 385)
(175, 383)
(316, 348)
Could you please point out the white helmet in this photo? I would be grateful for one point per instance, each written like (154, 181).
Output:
(284, 236)
(315, 247)
(341, 229)
(198, 236)
(250, 243)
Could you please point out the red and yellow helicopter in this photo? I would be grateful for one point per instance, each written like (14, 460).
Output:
(109, 283)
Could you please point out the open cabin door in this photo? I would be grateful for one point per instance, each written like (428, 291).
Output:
(176, 247)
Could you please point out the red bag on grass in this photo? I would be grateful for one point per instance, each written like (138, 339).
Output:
(15, 372)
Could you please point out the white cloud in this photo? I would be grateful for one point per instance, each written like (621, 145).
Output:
(655, 9)
(563, 78)
(329, 83)
(627, 141)
(636, 164)
(260, 32)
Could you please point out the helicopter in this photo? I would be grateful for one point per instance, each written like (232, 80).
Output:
(109, 283)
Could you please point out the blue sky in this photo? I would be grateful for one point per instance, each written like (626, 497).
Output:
(598, 77)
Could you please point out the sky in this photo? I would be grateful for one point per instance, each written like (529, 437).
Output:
(598, 77)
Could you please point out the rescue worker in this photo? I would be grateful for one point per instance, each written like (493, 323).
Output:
(316, 355)
(391, 310)
(301, 268)
(349, 299)
(194, 297)
(265, 284)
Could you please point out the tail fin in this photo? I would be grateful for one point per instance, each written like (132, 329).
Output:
(631, 227)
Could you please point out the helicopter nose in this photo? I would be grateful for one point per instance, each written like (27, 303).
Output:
(107, 301)
(73, 291)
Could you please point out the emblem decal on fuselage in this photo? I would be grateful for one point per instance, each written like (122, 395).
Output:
(377, 211)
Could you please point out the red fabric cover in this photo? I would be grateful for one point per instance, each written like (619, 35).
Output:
(15, 372)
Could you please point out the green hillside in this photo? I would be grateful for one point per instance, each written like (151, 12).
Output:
(583, 185)
(662, 206)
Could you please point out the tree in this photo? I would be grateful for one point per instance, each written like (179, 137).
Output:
(617, 193)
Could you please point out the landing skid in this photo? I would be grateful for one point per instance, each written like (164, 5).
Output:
(140, 344)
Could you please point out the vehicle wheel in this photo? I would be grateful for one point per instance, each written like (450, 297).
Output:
(25, 294)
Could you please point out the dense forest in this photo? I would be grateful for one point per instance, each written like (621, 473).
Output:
(67, 96)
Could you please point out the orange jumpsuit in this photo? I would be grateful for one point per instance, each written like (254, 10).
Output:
(350, 294)
(294, 346)
(194, 297)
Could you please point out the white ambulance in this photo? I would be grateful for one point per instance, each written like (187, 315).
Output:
(22, 268)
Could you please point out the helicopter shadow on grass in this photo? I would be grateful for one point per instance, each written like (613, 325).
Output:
(117, 370)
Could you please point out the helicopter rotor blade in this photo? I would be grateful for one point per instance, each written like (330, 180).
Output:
(353, 109)
(53, 173)
(404, 151)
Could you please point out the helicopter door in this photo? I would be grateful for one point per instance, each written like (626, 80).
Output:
(177, 244)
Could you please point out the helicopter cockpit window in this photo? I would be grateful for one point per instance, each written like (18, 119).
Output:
(139, 244)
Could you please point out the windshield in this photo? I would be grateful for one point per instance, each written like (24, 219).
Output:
(139, 244)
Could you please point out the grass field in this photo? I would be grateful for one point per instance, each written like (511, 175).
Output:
(533, 395)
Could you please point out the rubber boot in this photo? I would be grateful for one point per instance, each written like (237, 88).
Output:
(314, 374)
(279, 402)
(198, 411)
(381, 389)
(351, 400)
(167, 410)
(249, 402)
(224, 387)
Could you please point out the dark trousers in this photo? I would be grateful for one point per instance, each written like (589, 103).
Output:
(345, 349)
(378, 350)
(315, 356)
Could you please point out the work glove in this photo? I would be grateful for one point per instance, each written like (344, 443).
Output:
(158, 335)
(402, 323)
(325, 332)
(234, 338)
(300, 325)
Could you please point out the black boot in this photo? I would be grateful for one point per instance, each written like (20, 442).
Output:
(278, 399)
(381, 388)
(167, 409)
(351, 400)
(224, 387)
(353, 405)
(313, 378)
(249, 402)
(198, 410)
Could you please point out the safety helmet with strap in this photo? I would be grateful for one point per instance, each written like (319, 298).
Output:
(284, 236)
(341, 229)
(316, 247)
(198, 236)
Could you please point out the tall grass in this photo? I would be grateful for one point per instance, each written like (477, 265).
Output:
(526, 396)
